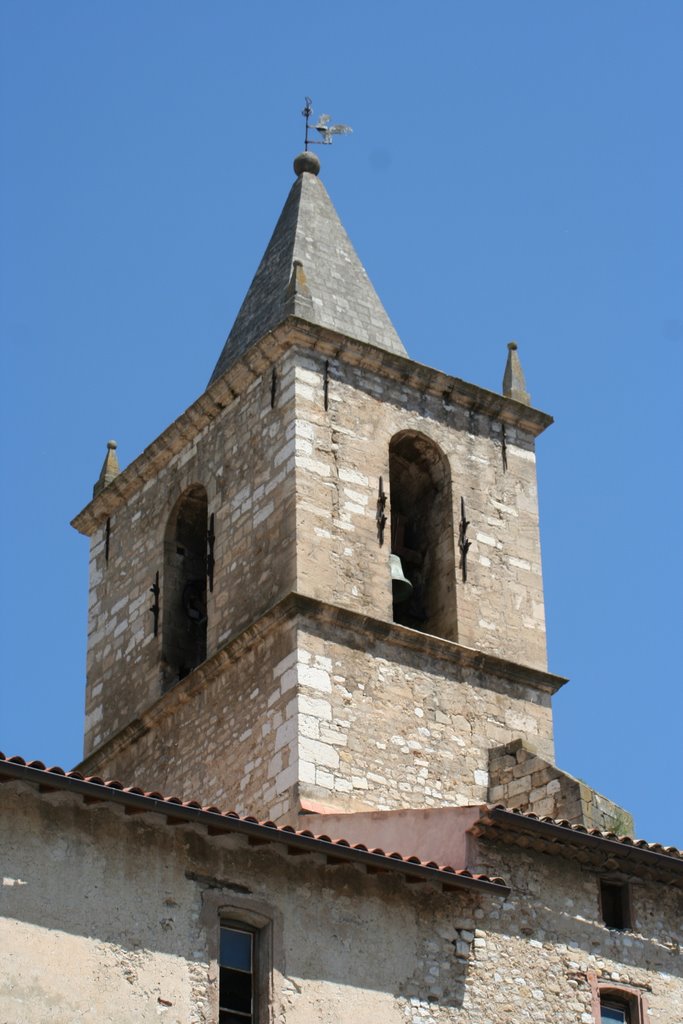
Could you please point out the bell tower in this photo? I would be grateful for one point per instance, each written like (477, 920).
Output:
(246, 640)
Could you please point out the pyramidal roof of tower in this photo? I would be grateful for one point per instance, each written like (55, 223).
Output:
(310, 270)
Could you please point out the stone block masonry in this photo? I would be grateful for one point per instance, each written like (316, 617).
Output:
(384, 725)
(293, 488)
(314, 703)
(227, 734)
(244, 460)
(342, 452)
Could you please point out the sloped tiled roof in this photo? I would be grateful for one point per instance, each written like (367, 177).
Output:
(93, 789)
(603, 850)
(334, 290)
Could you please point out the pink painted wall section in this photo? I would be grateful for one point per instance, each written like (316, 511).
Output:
(433, 833)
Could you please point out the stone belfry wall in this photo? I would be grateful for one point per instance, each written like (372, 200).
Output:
(239, 455)
(310, 691)
(315, 688)
(341, 454)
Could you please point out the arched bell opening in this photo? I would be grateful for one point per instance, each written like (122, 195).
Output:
(422, 536)
(184, 587)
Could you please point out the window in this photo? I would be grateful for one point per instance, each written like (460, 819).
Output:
(616, 1004)
(610, 1012)
(236, 961)
(615, 905)
(619, 1005)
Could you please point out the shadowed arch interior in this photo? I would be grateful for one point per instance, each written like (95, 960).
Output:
(184, 618)
(422, 533)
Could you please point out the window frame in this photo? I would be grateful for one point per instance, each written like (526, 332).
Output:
(622, 997)
(230, 923)
(626, 902)
(248, 914)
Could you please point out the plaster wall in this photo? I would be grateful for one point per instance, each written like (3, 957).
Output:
(107, 917)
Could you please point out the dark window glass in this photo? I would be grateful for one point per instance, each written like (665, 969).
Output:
(613, 1013)
(236, 961)
(236, 949)
(614, 901)
(235, 990)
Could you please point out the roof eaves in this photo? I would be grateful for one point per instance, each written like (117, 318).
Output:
(216, 822)
(564, 832)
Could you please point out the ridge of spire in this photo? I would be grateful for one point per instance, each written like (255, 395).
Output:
(310, 270)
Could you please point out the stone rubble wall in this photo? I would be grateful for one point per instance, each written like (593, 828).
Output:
(112, 916)
(551, 922)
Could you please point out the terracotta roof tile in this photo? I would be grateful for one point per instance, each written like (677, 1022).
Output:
(601, 850)
(642, 844)
(94, 787)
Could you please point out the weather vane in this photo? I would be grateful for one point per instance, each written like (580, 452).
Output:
(323, 126)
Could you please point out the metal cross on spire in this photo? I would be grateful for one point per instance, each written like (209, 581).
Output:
(325, 129)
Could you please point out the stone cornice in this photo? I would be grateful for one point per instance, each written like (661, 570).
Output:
(297, 606)
(183, 430)
(422, 378)
(255, 362)
(429, 646)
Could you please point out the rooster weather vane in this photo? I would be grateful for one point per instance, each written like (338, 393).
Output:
(323, 127)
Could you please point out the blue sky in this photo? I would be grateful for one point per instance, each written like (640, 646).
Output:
(514, 172)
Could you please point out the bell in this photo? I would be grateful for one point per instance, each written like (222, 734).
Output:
(401, 586)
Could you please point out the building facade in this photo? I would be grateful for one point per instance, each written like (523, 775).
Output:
(316, 603)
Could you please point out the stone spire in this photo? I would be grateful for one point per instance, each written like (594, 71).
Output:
(514, 385)
(310, 270)
(110, 469)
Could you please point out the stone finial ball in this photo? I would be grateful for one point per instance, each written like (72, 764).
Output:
(306, 161)
(112, 444)
(512, 345)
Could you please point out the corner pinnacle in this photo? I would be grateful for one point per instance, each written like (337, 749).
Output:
(514, 385)
(110, 469)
